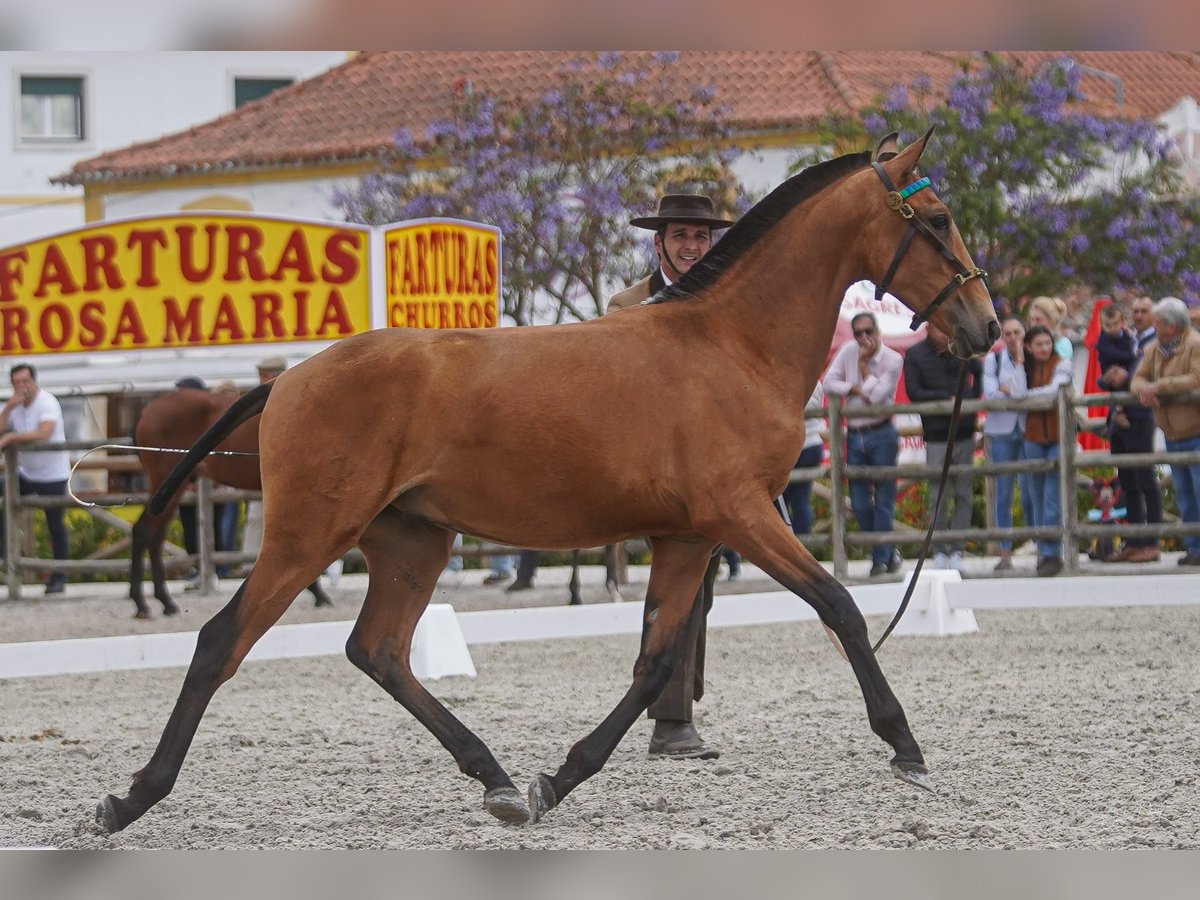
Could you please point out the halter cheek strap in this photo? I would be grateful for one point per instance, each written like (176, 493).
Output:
(898, 200)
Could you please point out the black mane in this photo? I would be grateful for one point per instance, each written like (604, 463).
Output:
(755, 223)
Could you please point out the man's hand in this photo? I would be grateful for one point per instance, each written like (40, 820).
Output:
(864, 371)
(1116, 377)
(1149, 396)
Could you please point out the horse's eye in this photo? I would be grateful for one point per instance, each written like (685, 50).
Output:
(941, 221)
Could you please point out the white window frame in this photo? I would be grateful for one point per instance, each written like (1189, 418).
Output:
(86, 119)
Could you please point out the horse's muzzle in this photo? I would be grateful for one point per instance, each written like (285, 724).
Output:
(969, 343)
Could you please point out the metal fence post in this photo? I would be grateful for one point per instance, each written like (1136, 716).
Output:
(837, 487)
(12, 523)
(1068, 501)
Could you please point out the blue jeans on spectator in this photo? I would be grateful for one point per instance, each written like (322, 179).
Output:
(797, 496)
(874, 502)
(455, 563)
(1006, 448)
(59, 543)
(502, 566)
(1187, 489)
(1044, 503)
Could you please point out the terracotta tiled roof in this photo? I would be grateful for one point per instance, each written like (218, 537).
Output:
(350, 113)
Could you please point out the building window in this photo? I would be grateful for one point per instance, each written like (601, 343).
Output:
(246, 90)
(51, 108)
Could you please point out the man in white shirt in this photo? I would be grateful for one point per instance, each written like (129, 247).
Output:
(865, 372)
(30, 415)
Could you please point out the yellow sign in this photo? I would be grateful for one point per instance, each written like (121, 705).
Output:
(442, 273)
(189, 280)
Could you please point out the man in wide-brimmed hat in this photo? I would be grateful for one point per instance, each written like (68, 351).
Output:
(683, 227)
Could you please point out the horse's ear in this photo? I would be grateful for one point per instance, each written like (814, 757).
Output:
(923, 142)
(889, 146)
(907, 158)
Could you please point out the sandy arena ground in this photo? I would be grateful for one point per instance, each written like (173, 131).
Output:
(1071, 728)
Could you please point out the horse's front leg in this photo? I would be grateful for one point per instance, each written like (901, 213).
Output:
(767, 542)
(676, 568)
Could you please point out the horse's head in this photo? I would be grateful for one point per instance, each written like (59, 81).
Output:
(917, 254)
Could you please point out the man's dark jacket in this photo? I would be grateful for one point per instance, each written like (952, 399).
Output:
(930, 375)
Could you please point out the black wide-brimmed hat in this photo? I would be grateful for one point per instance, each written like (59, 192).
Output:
(693, 209)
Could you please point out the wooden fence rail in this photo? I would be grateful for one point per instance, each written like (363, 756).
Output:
(834, 478)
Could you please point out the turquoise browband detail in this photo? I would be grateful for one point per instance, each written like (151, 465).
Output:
(913, 188)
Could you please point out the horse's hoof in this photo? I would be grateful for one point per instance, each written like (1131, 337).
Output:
(106, 814)
(541, 798)
(913, 773)
(323, 601)
(142, 614)
(505, 804)
(170, 609)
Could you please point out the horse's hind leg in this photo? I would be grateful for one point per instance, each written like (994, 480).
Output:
(220, 648)
(148, 535)
(573, 585)
(770, 544)
(676, 569)
(404, 557)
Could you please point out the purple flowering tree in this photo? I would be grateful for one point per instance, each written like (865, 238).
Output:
(561, 175)
(1047, 196)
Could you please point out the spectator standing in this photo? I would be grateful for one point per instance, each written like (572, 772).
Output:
(1049, 312)
(1041, 373)
(865, 371)
(1131, 427)
(797, 496)
(1003, 433)
(30, 415)
(931, 372)
(1171, 364)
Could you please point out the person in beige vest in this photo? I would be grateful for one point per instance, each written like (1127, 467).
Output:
(682, 227)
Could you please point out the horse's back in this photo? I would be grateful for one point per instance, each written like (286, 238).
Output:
(175, 421)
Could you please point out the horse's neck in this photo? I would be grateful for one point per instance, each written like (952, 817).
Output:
(781, 298)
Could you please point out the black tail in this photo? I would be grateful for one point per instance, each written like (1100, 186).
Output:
(246, 407)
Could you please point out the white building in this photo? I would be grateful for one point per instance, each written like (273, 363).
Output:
(64, 107)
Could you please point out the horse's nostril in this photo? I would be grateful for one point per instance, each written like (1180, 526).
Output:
(993, 331)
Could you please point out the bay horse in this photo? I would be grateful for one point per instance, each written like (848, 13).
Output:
(393, 440)
(175, 421)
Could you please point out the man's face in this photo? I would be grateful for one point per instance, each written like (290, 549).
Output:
(1143, 313)
(1013, 333)
(685, 245)
(867, 336)
(24, 386)
(265, 375)
(1165, 330)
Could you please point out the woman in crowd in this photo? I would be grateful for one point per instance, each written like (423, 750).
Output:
(1049, 312)
(1040, 373)
(1003, 430)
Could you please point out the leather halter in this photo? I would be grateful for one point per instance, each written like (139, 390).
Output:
(898, 200)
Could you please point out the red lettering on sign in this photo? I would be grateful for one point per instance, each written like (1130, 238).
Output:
(55, 326)
(411, 311)
(11, 273)
(295, 257)
(227, 322)
(56, 271)
(188, 267)
(145, 240)
(302, 329)
(16, 328)
(489, 315)
(266, 312)
(490, 253)
(183, 327)
(335, 318)
(474, 315)
(98, 253)
(458, 314)
(245, 253)
(91, 324)
(129, 325)
(341, 263)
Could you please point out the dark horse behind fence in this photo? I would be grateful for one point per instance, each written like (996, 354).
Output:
(175, 421)
(620, 429)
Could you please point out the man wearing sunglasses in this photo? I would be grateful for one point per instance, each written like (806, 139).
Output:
(865, 372)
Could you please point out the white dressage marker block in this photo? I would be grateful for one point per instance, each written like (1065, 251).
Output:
(929, 611)
(439, 648)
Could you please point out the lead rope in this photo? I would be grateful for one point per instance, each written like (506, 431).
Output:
(129, 500)
(937, 506)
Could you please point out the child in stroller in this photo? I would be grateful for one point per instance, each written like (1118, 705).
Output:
(1106, 492)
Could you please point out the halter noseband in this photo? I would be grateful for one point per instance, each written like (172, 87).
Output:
(898, 200)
